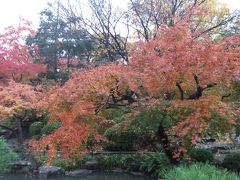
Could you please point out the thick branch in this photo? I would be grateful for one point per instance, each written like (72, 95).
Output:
(101, 106)
(223, 22)
(199, 89)
(225, 96)
(180, 90)
(7, 128)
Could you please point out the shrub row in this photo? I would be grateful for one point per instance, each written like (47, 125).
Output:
(155, 164)
(231, 161)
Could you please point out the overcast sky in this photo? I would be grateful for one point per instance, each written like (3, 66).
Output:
(10, 10)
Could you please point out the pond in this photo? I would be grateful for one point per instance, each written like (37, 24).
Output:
(94, 176)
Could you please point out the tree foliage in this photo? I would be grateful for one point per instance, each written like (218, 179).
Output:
(181, 70)
(16, 65)
(197, 72)
(15, 60)
(60, 41)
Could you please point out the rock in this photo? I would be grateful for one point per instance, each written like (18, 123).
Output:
(137, 173)
(50, 171)
(118, 170)
(21, 166)
(214, 147)
(218, 158)
(159, 146)
(237, 141)
(12, 143)
(92, 165)
(80, 172)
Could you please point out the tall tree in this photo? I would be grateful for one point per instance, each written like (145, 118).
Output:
(104, 22)
(59, 40)
(17, 66)
(15, 59)
(147, 16)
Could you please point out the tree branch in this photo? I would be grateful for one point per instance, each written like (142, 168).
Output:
(180, 90)
(5, 127)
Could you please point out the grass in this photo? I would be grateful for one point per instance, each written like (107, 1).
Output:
(199, 171)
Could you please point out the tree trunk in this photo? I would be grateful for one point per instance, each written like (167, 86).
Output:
(163, 137)
(20, 131)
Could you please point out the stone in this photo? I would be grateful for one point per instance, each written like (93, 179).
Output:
(21, 166)
(159, 146)
(50, 171)
(92, 165)
(237, 141)
(118, 170)
(214, 147)
(137, 173)
(80, 172)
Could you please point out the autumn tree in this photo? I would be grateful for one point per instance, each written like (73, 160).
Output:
(15, 59)
(198, 72)
(76, 106)
(148, 16)
(16, 69)
(181, 69)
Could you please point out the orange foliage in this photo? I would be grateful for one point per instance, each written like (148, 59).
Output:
(16, 64)
(16, 97)
(176, 56)
(68, 138)
(173, 57)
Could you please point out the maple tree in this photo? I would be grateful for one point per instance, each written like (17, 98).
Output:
(15, 59)
(16, 69)
(76, 105)
(16, 97)
(197, 72)
(148, 16)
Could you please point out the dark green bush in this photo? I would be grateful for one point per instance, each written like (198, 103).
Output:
(63, 164)
(35, 128)
(110, 162)
(148, 121)
(40, 160)
(6, 156)
(127, 162)
(201, 155)
(199, 172)
(154, 164)
(67, 165)
(50, 128)
(60, 76)
(115, 113)
(122, 138)
(232, 162)
(140, 132)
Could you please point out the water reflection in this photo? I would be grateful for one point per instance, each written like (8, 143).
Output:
(94, 176)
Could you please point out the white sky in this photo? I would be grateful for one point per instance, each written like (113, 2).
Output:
(10, 10)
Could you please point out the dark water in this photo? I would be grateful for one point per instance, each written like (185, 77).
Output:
(94, 176)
